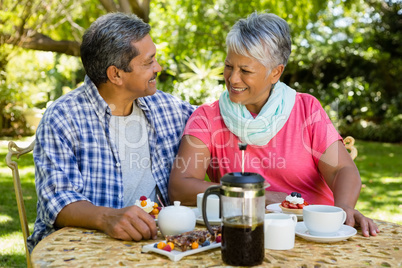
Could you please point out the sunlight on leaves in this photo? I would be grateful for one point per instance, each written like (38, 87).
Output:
(5, 218)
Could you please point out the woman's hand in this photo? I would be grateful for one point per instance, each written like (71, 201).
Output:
(355, 218)
(342, 176)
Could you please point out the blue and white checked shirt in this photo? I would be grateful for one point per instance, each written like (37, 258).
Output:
(75, 158)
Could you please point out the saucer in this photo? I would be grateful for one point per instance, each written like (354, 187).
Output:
(276, 209)
(344, 233)
(200, 220)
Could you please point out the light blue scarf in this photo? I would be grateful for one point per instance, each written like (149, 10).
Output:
(272, 117)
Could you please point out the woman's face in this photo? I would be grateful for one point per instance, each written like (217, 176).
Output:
(248, 81)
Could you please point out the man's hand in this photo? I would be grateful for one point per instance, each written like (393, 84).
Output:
(130, 223)
(355, 218)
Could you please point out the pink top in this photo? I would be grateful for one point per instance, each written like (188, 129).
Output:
(288, 162)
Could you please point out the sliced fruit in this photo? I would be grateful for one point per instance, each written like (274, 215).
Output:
(167, 248)
(294, 206)
(161, 245)
(194, 245)
(171, 245)
(285, 204)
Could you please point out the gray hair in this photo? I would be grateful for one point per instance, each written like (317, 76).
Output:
(265, 37)
(108, 41)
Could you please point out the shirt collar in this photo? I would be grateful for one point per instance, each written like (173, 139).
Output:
(100, 105)
(142, 104)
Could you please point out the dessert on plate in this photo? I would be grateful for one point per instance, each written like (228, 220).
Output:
(194, 239)
(148, 206)
(293, 203)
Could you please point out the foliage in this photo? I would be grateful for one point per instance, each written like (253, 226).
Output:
(351, 57)
(32, 79)
(389, 131)
(347, 53)
(192, 30)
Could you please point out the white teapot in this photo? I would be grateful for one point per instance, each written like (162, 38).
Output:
(176, 219)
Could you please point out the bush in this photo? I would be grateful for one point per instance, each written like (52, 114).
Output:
(389, 131)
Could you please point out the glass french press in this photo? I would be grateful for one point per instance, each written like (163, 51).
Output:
(242, 209)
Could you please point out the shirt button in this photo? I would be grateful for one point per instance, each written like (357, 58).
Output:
(118, 164)
(120, 196)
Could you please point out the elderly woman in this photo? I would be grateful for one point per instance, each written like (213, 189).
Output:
(291, 141)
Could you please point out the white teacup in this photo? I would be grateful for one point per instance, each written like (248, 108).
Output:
(323, 220)
(212, 206)
(279, 231)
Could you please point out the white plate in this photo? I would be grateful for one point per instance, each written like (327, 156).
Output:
(276, 209)
(345, 232)
(200, 220)
(176, 255)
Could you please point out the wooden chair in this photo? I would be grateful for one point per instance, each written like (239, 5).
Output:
(14, 150)
(349, 142)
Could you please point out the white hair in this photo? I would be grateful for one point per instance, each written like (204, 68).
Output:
(265, 37)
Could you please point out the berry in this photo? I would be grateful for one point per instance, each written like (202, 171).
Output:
(285, 204)
(171, 245)
(155, 205)
(161, 245)
(156, 245)
(206, 243)
(299, 195)
(293, 194)
(218, 239)
(300, 206)
(167, 248)
(155, 211)
(194, 245)
(142, 198)
(159, 208)
(291, 205)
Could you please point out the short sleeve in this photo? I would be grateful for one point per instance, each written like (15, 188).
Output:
(199, 125)
(318, 131)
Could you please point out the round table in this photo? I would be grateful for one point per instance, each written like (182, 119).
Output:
(76, 247)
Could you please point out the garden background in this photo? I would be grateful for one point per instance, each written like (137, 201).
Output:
(347, 53)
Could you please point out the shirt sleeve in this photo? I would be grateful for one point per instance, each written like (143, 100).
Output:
(199, 126)
(57, 177)
(322, 132)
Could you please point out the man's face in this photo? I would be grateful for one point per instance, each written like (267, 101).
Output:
(141, 81)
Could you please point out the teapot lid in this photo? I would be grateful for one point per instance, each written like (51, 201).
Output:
(240, 179)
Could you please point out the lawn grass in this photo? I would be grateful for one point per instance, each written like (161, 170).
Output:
(379, 164)
(380, 167)
(12, 248)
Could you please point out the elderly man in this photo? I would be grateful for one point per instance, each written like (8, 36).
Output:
(110, 141)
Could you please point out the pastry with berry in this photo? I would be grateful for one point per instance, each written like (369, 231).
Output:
(148, 206)
(293, 203)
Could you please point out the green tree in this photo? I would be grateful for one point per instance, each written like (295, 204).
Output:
(345, 52)
(57, 26)
(351, 58)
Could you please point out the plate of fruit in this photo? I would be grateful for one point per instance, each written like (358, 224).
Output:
(175, 247)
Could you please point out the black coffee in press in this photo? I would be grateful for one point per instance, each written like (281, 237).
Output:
(242, 243)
